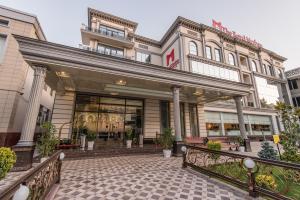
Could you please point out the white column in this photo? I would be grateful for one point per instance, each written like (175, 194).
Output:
(33, 106)
(239, 109)
(275, 125)
(176, 108)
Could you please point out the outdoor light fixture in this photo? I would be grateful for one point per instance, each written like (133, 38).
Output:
(197, 93)
(121, 82)
(22, 193)
(249, 163)
(114, 93)
(61, 156)
(63, 74)
(183, 149)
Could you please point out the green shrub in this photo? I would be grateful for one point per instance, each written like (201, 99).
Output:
(266, 181)
(7, 161)
(166, 139)
(129, 134)
(47, 142)
(91, 136)
(267, 152)
(214, 146)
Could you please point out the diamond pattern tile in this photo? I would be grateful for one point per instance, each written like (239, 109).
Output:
(139, 177)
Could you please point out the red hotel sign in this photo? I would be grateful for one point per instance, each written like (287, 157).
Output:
(219, 26)
(171, 64)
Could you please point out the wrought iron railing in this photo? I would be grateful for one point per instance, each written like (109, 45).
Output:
(39, 180)
(274, 179)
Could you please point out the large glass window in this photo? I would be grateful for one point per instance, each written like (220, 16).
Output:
(110, 50)
(267, 92)
(193, 48)
(213, 123)
(214, 71)
(2, 45)
(164, 115)
(231, 59)
(208, 52)
(108, 117)
(293, 84)
(218, 55)
(253, 66)
(193, 112)
(112, 32)
(143, 57)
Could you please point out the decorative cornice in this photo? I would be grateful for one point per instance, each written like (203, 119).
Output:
(47, 53)
(112, 18)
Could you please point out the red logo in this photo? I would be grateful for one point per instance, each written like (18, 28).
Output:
(171, 57)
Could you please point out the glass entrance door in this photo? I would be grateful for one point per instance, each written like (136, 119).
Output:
(108, 117)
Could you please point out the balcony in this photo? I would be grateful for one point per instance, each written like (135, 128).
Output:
(88, 48)
(105, 37)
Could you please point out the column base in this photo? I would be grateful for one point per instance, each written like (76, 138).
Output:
(177, 148)
(247, 145)
(24, 157)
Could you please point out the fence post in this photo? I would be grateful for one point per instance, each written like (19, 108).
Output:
(251, 183)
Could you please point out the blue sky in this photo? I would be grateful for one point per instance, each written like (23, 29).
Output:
(273, 23)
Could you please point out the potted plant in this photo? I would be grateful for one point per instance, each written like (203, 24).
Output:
(166, 141)
(47, 142)
(241, 142)
(91, 137)
(129, 137)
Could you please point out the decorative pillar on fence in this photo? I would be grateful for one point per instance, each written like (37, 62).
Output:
(25, 147)
(177, 125)
(239, 109)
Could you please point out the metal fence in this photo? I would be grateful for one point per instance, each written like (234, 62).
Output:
(274, 179)
(39, 180)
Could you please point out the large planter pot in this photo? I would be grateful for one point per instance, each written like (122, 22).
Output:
(241, 149)
(128, 143)
(167, 153)
(82, 141)
(91, 145)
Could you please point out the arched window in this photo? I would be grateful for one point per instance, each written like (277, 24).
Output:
(231, 59)
(253, 66)
(193, 48)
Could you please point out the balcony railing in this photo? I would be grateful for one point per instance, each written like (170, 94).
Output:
(88, 48)
(105, 33)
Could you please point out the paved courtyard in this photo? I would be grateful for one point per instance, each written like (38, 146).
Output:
(139, 177)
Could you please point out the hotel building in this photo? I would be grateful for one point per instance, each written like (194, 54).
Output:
(202, 81)
(293, 77)
(16, 76)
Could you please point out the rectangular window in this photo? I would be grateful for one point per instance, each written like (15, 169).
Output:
(271, 70)
(294, 101)
(112, 32)
(143, 57)
(208, 52)
(110, 50)
(4, 22)
(193, 111)
(298, 101)
(2, 45)
(293, 84)
(164, 115)
(243, 61)
(218, 55)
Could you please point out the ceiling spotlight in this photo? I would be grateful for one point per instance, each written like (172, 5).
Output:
(114, 93)
(62, 74)
(197, 93)
(121, 82)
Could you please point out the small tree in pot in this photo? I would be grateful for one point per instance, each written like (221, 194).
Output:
(166, 140)
(91, 137)
(241, 142)
(47, 141)
(129, 137)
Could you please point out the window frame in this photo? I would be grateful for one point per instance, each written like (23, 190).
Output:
(254, 66)
(4, 20)
(219, 53)
(143, 53)
(2, 54)
(233, 59)
(195, 50)
(210, 53)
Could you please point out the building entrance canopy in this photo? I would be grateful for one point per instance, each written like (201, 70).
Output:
(73, 69)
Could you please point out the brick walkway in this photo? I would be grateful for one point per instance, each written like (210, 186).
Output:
(138, 177)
